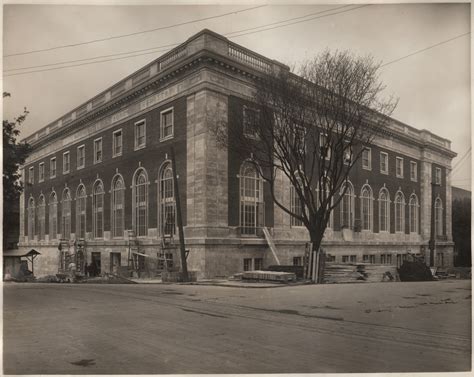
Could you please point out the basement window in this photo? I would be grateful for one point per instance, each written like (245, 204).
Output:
(297, 261)
(247, 264)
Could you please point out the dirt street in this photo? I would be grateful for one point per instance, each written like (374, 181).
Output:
(162, 329)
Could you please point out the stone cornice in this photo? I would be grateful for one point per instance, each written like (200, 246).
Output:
(204, 48)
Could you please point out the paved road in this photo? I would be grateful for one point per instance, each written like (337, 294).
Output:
(161, 329)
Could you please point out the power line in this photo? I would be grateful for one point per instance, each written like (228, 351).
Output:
(174, 44)
(458, 163)
(425, 49)
(171, 45)
(155, 49)
(295, 18)
(131, 34)
(78, 65)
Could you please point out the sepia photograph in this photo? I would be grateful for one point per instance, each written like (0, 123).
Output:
(236, 188)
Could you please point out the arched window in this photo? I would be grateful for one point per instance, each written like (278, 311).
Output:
(66, 214)
(384, 210)
(413, 213)
(118, 206)
(399, 212)
(53, 216)
(347, 205)
(98, 210)
(31, 219)
(140, 203)
(41, 217)
(167, 210)
(296, 206)
(366, 207)
(438, 217)
(251, 199)
(81, 200)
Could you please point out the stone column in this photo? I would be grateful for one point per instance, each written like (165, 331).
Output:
(425, 201)
(207, 171)
(448, 206)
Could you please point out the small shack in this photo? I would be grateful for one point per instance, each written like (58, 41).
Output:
(15, 263)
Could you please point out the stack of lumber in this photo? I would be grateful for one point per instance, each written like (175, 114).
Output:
(358, 273)
(269, 276)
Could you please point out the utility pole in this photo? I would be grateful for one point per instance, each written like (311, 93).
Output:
(182, 248)
(432, 243)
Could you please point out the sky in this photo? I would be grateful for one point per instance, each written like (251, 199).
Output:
(431, 79)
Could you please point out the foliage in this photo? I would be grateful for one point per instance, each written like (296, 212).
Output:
(311, 128)
(14, 155)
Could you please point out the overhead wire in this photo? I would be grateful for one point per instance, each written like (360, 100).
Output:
(176, 44)
(460, 161)
(132, 34)
(425, 49)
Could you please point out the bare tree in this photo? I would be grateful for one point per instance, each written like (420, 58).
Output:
(312, 128)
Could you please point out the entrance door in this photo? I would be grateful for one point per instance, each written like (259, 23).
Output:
(95, 264)
(114, 263)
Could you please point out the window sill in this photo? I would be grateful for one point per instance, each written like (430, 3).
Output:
(399, 176)
(97, 162)
(166, 138)
(140, 147)
(117, 155)
(80, 167)
(366, 168)
(253, 137)
(384, 172)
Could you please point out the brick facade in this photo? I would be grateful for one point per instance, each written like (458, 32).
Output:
(209, 76)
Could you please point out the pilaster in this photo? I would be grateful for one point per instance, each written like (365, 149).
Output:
(207, 170)
(448, 206)
(425, 200)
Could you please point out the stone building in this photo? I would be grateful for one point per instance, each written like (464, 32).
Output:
(101, 175)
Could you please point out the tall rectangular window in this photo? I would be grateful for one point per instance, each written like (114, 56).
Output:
(438, 176)
(258, 263)
(296, 207)
(347, 154)
(413, 171)
(250, 122)
(399, 167)
(117, 143)
(66, 162)
(324, 146)
(31, 175)
(41, 172)
(97, 150)
(384, 163)
(52, 168)
(140, 134)
(81, 156)
(367, 159)
(247, 264)
(167, 124)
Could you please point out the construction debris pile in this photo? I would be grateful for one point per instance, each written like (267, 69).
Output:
(359, 273)
(415, 271)
(273, 276)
